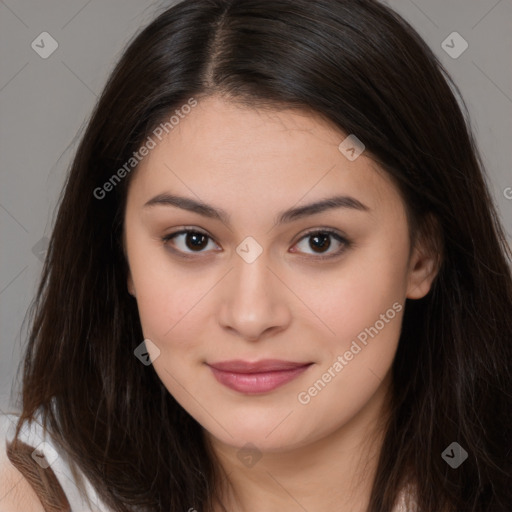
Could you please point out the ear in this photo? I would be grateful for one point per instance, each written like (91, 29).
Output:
(425, 260)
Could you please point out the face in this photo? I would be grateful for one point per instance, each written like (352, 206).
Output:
(321, 290)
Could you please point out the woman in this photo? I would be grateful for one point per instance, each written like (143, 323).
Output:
(276, 279)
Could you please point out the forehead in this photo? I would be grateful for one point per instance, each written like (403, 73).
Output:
(227, 152)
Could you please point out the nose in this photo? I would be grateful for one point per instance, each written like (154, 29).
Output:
(255, 301)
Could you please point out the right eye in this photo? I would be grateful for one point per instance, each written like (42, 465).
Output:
(193, 240)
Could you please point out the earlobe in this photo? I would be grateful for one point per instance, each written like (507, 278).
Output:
(421, 276)
(426, 258)
(424, 264)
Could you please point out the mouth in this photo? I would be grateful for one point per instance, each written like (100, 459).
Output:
(256, 377)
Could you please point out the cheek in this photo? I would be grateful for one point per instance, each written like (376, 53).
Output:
(354, 296)
(168, 309)
(165, 296)
(365, 312)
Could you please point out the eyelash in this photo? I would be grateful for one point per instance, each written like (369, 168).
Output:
(346, 244)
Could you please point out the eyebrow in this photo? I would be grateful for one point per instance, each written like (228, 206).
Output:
(292, 214)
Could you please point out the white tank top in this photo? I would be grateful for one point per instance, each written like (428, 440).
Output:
(34, 435)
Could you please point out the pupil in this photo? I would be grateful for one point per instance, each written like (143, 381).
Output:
(194, 237)
(326, 242)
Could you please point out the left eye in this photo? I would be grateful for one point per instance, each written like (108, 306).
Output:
(319, 241)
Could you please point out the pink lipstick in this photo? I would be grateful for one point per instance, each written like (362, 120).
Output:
(257, 377)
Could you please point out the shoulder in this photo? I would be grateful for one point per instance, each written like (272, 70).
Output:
(28, 482)
(36, 475)
(16, 494)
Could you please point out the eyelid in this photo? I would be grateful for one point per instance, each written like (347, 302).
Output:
(335, 233)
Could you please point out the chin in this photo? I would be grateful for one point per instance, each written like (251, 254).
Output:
(265, 437)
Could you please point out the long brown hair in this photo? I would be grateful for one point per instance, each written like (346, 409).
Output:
(360, 65)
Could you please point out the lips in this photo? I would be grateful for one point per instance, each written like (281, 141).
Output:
(256, 377)
(265, 365)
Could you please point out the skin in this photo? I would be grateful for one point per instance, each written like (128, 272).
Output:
(287, 304)
(16, 494)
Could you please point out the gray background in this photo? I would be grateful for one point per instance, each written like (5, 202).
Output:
(45, 103)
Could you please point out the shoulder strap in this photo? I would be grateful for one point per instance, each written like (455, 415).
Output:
(43, 481)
